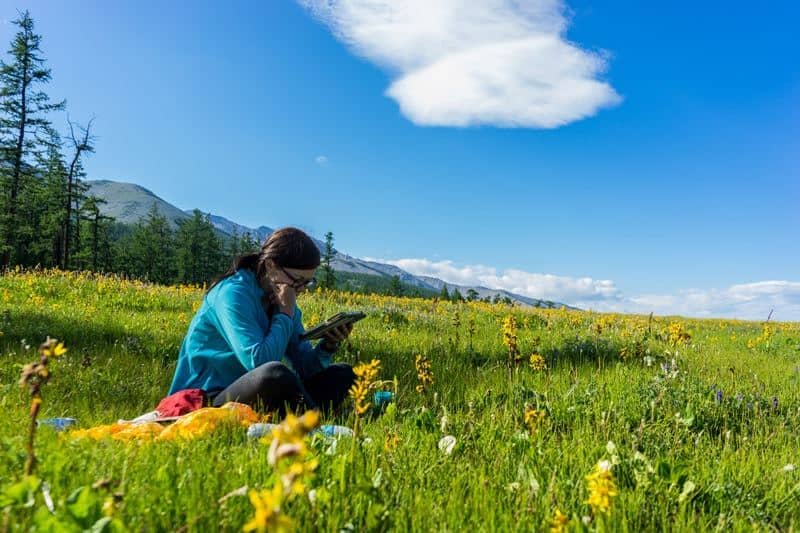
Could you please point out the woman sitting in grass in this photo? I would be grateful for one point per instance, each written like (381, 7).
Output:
(249, 324)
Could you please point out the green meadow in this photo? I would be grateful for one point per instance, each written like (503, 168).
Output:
(696, 422)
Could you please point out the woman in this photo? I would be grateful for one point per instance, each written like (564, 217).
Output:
(249, 323)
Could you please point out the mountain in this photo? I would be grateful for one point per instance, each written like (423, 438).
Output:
(229, 227)
(129, 203)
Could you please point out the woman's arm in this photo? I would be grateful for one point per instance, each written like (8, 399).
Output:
(237, 313)
(306, 358)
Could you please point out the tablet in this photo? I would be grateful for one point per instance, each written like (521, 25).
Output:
(339, 319)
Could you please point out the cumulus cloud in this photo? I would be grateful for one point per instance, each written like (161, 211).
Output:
(751, 301)
(455, 63)
(321, 160)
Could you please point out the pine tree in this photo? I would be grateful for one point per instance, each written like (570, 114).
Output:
(328, 276)
(24, 131)
(247, 244)
(150, 249)
(233, 245)
(95, 247)
(395, 287)
(199, 251)
(472, 295)
(51, 237)
(444, 294)
(457, 297)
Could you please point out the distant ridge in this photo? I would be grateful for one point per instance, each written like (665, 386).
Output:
(128, 203)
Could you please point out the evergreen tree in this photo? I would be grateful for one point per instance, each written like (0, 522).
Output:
(395, 287)
(472, 295)
(457, 297)
(198, 249)
(50, 241)
(94, 252)
(247, 244)
(233, 245)
(24, 132)
(444, 294)
(150, 248)
(327, 274)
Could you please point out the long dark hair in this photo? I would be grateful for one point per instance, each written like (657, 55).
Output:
(286, 247)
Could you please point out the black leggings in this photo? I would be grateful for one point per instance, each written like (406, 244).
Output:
(273, 386)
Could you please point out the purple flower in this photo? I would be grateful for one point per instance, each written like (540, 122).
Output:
(739, 397)
(718, 396)
(774, 402)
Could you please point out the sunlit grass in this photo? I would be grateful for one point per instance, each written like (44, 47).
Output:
(698, 420)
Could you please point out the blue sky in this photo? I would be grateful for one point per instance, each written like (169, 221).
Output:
(615, 155)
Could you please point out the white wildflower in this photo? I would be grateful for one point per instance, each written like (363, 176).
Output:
(446, 444)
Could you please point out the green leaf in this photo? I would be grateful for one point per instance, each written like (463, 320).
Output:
(23, 492)
(84, 507)
(103, 525)
(45, 521)
(376, 514)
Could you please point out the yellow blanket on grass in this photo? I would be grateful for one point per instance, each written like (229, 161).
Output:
(195, 424)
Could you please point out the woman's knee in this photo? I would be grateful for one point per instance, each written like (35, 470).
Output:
(274, 369)
(276, 375)
(345, 373)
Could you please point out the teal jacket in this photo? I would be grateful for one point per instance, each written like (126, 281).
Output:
(231, 335)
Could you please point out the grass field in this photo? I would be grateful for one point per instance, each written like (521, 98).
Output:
(686, 425)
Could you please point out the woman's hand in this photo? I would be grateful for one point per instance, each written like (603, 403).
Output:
(286, 298)
(336, 336)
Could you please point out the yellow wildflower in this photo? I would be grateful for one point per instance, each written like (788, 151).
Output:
(268, 516)
(366, 374)
(533, 418)
(510, 338)
(601, 487)
(678, 335)
(537, 362)
(424, 373)
(288, 439)
(558, 524)
(52, 348)
(391, 442)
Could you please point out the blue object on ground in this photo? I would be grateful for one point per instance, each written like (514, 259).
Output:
(259, 429)
(335, 431)
(382, 397)
(59, 424)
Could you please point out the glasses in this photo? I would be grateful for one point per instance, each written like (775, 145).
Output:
(300, 282)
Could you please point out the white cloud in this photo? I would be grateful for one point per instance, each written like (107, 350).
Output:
(752, 301)
(456, 63)
(321, 160)
(544, 286)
